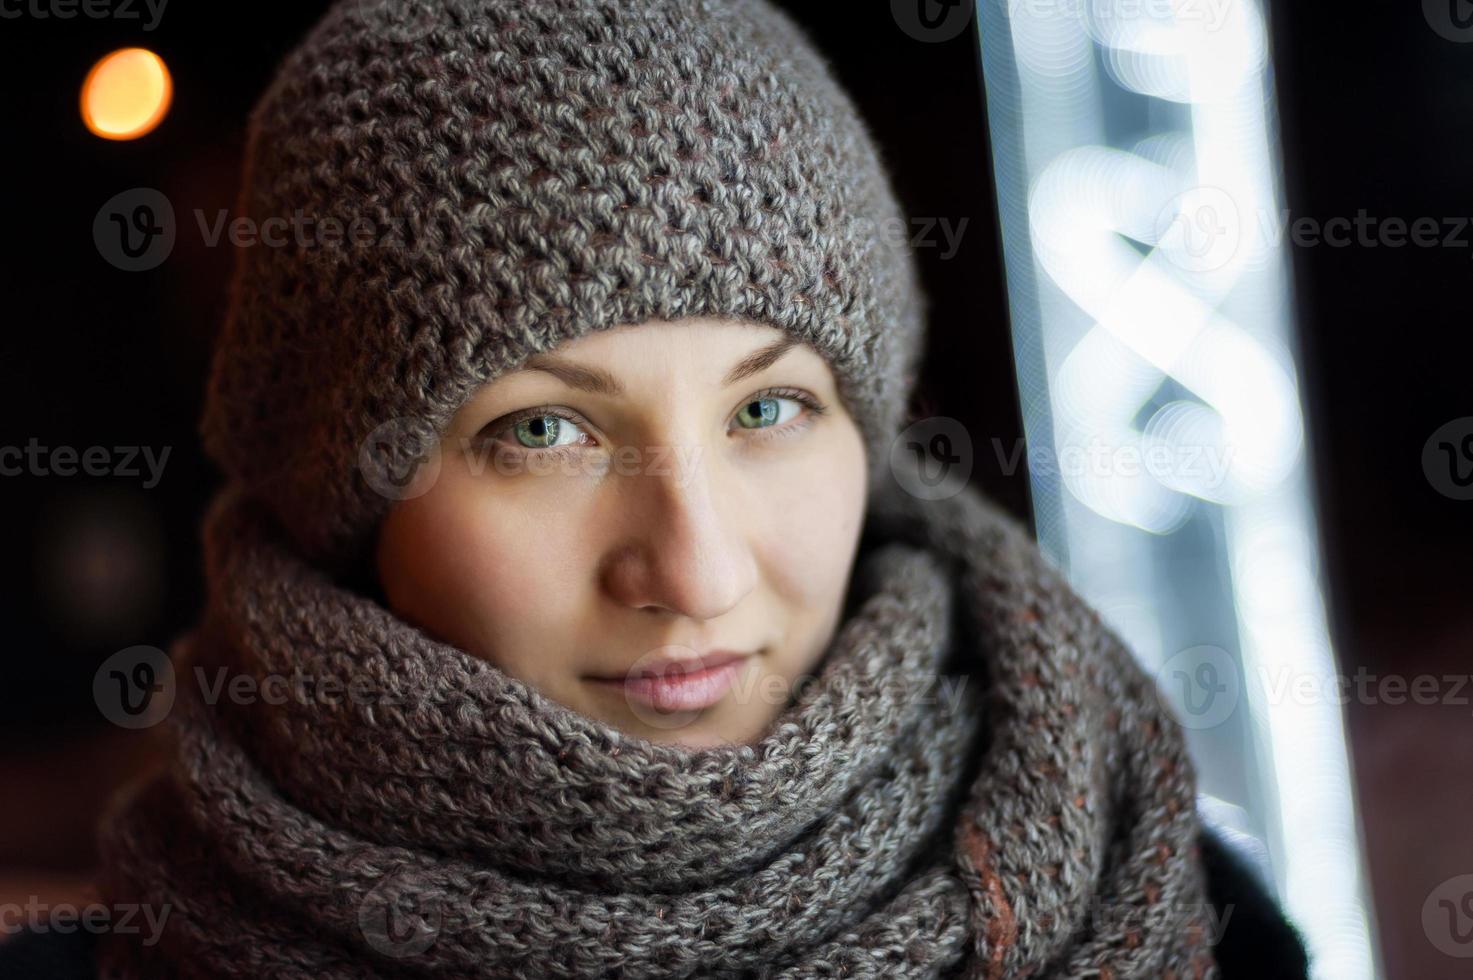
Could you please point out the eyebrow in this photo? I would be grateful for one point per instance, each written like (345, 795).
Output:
(601, 382)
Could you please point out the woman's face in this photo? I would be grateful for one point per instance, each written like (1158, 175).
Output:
(642, 494)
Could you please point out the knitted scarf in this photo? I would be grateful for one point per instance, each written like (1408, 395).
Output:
(978, 781)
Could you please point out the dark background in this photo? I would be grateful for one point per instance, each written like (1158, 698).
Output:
(1374, 116)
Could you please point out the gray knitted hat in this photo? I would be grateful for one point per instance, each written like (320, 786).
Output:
(470, 182)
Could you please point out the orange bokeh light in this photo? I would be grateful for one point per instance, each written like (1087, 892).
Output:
(126, 94)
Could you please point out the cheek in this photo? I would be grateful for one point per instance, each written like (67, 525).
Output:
(477, 569)
(815, 511)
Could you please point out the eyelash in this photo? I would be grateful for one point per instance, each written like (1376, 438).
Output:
(764, 434)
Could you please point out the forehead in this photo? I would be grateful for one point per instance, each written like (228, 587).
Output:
(712, 351)
(703, 334)
(633, 359)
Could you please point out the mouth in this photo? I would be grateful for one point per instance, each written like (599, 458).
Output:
(683, 685)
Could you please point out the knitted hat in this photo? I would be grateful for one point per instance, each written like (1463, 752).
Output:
(443, 188)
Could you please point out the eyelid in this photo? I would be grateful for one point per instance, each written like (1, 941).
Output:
(497, 426)
(809, 401)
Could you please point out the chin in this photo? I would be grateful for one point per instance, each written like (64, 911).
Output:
(698, 741)
(697, 734)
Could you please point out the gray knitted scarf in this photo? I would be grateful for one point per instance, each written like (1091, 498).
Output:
(978, 782)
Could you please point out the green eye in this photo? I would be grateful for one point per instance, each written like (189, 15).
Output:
(544, 432)
(760, 413)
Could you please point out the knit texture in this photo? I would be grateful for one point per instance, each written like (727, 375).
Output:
(470, 182)
(979, 782)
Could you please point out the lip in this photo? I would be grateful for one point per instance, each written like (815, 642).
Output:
(686, 684)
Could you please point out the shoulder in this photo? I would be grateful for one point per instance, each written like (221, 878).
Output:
(48, 955)
(1254, 938)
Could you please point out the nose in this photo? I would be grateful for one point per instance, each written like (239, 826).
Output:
(687, 550)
